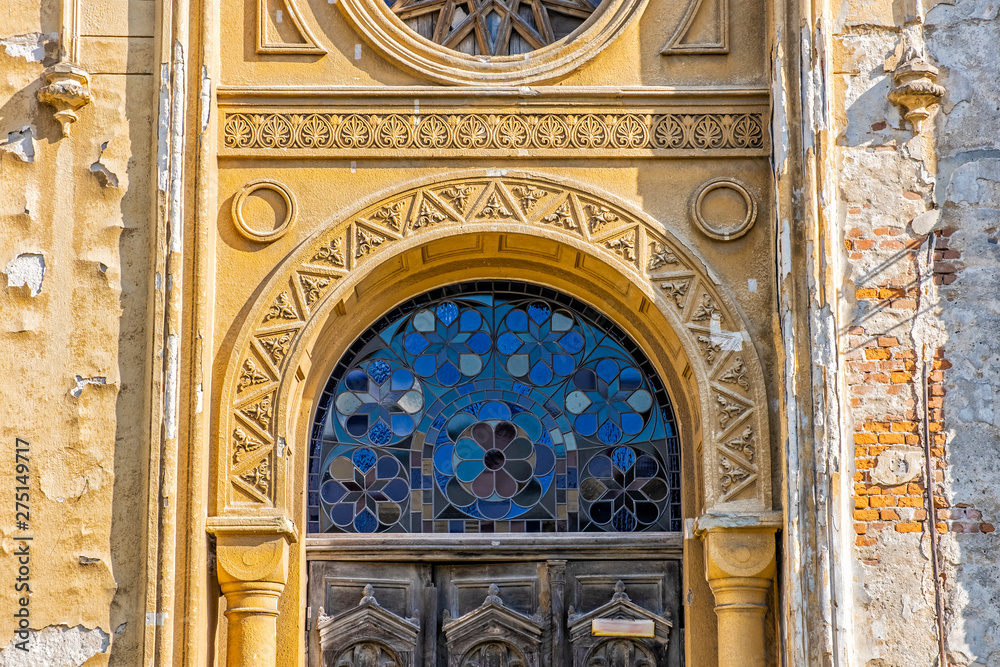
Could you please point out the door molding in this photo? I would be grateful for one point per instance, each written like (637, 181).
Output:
(484, 224)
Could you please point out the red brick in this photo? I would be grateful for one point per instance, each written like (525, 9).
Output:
(877, 353)
(888, 515)
(865, 515)
(882, 501)
(860, 528)
(914, 489)
(911, 501)
(877, 427)
(891, 244)
(899, 378)
(891, 439)
(986, 527)
(865, 464)
(887, 341)
(908, 427)
(866, 293)
(860, 502)
(863, 244)
(908, 527)
(856, 331)
(864, 439)
(941, 365)
(866, 541)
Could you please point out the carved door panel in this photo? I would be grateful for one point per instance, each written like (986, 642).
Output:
(494, 614)
(368, 616)
(643, 593)
(533, 613)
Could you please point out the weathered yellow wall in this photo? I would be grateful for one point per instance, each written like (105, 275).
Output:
(75, 354)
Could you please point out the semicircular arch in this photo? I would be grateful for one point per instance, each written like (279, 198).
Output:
(515, 226)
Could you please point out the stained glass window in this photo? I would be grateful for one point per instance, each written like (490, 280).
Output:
(494, 407)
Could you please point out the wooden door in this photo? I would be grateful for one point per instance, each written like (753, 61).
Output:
(534, 612)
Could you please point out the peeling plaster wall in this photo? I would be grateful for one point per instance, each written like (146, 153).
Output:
(907, 311)
(961, 39)
(74, 254)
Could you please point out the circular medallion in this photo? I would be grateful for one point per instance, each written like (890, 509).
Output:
(263, 210)
(724, 209)
(490, 42)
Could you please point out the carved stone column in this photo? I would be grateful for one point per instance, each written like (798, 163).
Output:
(252, 571)
(740, 567)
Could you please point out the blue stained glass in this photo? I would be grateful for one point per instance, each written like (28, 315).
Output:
(364, 459)
(509, 398)
(379, 371)
(624, 458)
(447, 312)
(365, 522)
(380, 434)
(609, 432)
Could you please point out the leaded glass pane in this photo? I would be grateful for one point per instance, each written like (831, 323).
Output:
(494, 407)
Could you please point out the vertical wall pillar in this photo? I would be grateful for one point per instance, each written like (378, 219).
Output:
(252, 572)
(740, 567)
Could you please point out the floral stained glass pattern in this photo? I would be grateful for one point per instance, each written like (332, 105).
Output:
(494, 407)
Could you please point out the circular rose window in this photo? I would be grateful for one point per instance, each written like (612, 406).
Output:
(490, 42)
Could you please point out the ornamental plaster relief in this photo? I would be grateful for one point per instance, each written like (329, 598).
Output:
(325, 267)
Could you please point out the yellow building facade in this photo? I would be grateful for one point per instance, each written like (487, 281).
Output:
(495, 332)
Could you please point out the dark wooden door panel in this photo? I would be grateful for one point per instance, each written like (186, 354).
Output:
(529, 613)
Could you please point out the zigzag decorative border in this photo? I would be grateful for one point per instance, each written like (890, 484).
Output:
(737, 426)
(443, 131)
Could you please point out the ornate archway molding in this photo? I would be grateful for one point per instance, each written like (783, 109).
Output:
(459, 220)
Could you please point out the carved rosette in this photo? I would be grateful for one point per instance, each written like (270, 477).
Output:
(66, 89)
(315, 276)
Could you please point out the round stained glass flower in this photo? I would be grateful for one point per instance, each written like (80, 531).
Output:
(540, 343)
(625, 490)
(609, 400)
(379, 402)
(447, 343)
(366, 491)
(494, 464)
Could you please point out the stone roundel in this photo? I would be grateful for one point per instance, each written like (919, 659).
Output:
(724, 209)
(246, 227)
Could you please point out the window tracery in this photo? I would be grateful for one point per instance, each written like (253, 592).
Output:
(494, 407)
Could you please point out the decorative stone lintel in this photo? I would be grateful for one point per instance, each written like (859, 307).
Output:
(916, 88)
(67, 89)
(740, 568)
(252, 564)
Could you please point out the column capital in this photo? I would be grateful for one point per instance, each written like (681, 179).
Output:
(252, 567)
(739, 552)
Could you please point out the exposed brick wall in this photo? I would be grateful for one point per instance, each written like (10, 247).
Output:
(885, 387)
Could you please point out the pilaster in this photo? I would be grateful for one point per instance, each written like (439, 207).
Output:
(740, 567)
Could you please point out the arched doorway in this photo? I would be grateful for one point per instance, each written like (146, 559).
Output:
(531, 231)
(496, 408)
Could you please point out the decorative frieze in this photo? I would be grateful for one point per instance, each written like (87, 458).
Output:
(393, 132)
